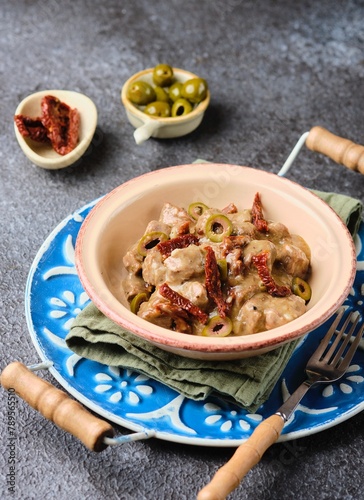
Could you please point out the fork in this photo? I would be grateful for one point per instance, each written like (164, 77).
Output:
(327, 364)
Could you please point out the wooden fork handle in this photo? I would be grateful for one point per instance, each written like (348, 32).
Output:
(337, 148)
(56, 405)
(245, 457)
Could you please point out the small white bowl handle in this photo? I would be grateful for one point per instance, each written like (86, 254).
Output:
(143, 133)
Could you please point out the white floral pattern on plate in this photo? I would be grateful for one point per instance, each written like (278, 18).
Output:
(54, 297)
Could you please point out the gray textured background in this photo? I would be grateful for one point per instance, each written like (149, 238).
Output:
(275, 69)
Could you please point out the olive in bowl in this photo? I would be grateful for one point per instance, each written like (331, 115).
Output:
(167, 112)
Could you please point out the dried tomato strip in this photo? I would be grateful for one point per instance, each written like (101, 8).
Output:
(260, 261)
(213, 282)
(32, 128)
(166, 291)
(183, 241)
(62, 124)
(257, 214)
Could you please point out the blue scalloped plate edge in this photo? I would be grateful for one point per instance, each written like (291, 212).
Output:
(137, 427)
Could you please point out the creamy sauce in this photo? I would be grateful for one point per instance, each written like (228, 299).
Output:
(256, 292)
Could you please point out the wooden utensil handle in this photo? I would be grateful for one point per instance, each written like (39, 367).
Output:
(340, 150)
(57, 406)
(245, 457)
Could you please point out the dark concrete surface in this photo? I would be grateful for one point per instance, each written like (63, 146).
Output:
(275, 69)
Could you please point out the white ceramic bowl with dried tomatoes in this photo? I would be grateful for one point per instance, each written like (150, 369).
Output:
(43, 155)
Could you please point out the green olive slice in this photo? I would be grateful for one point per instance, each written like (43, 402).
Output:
(218, 226)
(196, 209)
(301, 288)
(149, 241)
(223, 269)
(218, 327)
(137, 300)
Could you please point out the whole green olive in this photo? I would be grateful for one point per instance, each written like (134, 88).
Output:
(195, 90)
(158, 108)
(163, 75)
(175, 91)
(161, 94)
(181, 107)
(141, 93)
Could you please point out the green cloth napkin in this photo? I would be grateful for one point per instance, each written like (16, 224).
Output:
(350, 210)
(248, 382)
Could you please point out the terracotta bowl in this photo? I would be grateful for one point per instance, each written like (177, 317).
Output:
(120, 218)
(162, 128)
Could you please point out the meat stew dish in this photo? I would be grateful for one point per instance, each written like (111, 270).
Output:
(217, 272)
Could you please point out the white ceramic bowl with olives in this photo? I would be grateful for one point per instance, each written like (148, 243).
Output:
(164, 102)
(121, 218)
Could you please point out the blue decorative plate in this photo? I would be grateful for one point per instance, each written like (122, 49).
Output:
(54, 297)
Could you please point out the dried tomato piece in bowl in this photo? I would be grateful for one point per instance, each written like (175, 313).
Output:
(62, 124)
(58, 125)
(32, 128)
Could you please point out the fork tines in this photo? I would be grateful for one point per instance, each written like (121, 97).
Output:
(336, 355)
